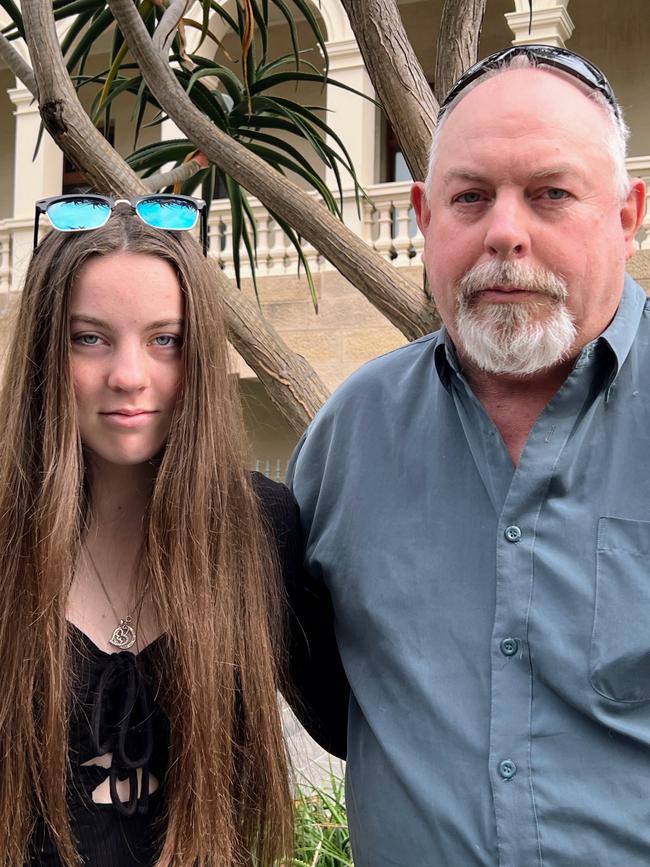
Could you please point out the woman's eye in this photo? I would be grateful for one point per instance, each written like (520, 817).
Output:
(87, 339)
(469, 198)
(167, 340)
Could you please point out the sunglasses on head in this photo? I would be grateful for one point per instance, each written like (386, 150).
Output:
(541, 55)
(81, 212)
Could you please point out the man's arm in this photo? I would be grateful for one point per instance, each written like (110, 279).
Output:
(315, 686)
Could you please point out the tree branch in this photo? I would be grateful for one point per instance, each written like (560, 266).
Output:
(174, 176)
(17, 64)
(164, 35)
(400, 300)
(458, 38)
(397, 77)
(291, 384)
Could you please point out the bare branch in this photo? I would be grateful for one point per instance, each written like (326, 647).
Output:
(397, 77)
(458, 38)
(62, 114)
(174, 176)
(403, 303)
(164, 34)
(292, 385)
(17, 64)
(289, 380)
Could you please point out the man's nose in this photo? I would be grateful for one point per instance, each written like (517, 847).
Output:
(508, 232)
(129, 370)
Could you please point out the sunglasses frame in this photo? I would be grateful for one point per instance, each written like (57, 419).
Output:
(42, 205)
(544, 55)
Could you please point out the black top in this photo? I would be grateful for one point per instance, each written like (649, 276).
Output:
(115, 710)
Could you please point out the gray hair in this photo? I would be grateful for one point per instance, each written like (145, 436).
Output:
(615, 141)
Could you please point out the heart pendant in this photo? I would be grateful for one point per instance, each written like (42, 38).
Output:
(123, 635)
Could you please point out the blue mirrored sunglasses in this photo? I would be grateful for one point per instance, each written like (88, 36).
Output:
(85, 211)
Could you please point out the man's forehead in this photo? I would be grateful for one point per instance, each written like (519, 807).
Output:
(552, 170)
(536, 94)
(533, 106)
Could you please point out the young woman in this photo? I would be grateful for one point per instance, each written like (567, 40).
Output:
(140, 613)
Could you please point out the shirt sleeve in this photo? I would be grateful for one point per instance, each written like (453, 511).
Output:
(315, 684)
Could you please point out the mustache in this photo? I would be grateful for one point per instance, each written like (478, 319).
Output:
(515, 275)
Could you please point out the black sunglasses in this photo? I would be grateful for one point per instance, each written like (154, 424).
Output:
(541, 55)
(82, 212)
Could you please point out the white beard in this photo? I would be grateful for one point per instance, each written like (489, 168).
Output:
(515, 338)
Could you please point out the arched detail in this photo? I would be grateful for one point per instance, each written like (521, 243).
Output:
(334, 18)
(335, 21)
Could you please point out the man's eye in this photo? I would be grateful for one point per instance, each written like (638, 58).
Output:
(469, 198)
(555, 193)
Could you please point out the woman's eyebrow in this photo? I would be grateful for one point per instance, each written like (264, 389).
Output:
(93, 320)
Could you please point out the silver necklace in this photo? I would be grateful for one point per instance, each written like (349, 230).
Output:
(124, 634)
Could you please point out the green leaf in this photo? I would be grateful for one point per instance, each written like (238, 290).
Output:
(296, 75)
(215, 6)
(262, 29)
(139, 110)
(307, 11)
(218, 97)
(74, 8)
(15, 14)
(236, 211)
(291, 157)
(75, 29)
(99, 25)
(295, 241)
(228, 78)
(252, 255)
(293, 30)
(151, 157)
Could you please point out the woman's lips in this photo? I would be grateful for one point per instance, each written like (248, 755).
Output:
(128, 418)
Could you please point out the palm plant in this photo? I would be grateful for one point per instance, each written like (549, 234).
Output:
(246, 105)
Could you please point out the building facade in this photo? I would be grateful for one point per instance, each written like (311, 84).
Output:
(347, 331)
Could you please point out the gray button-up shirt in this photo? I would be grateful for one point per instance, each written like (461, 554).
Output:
(494, 622)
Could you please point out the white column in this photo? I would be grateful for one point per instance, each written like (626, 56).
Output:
(352, 118)
(551, 24)
(33, 178)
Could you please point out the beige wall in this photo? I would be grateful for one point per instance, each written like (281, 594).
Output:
(7, 135)
(616, 36)
(270, 438)
(422, 22)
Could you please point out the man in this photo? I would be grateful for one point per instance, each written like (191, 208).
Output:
(477, 503)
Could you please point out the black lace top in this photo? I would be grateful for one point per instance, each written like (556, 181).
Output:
(116, 711)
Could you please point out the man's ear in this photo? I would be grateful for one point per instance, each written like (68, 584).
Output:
(632, 214)
(420, 206)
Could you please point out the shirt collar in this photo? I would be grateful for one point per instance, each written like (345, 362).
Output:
(621, 331)
(445, 358)
(619, 336)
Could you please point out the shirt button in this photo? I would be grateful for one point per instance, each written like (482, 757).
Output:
(512, 534)
(507, 769)
(509, 646)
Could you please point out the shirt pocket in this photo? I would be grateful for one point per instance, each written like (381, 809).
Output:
(619, 657)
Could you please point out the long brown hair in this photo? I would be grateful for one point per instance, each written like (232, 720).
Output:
(207, 563)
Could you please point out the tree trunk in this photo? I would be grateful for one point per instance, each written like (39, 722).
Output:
(291, 383)
(397, 77)
(458, 38)
(401, 301)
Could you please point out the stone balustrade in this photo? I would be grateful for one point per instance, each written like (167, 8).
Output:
(387, 224)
